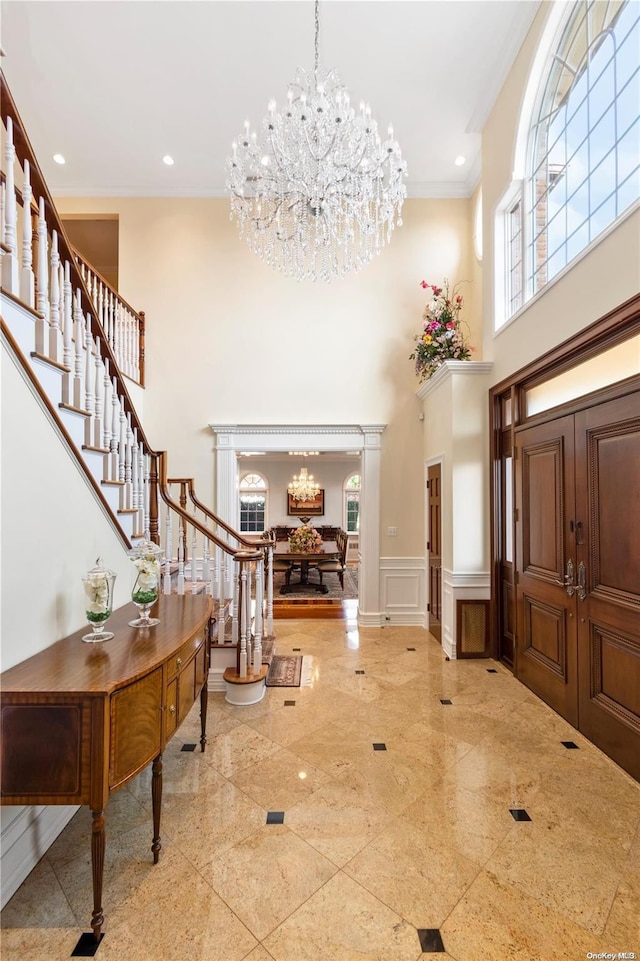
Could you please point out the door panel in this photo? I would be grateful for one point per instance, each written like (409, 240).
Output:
(546, 648)
(435, 552)
(608, 492)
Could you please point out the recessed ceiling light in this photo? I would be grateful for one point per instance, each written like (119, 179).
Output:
(460, 161)
(167, 160)
(59, 159)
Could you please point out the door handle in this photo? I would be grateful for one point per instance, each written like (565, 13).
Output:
(568, 583)
(582, 581)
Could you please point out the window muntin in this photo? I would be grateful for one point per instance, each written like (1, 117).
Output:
(253, 504)
(352, 504)
(585, 142)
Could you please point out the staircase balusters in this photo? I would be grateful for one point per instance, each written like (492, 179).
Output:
(270, 591)
(42, 293)
(258, 616)
(115, 427)
(128, 469)
(54, 301)
(194, 548)
(180, 582)
(67, 329)
(27, 278)
(166, 583)
(89, 375)
(98, 392)
(10, 259)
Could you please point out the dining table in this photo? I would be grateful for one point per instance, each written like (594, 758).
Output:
(305, 561)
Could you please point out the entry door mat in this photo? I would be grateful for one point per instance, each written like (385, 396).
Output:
(290, 670)
(285, 671)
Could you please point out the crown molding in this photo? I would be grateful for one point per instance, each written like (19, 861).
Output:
(446, 371)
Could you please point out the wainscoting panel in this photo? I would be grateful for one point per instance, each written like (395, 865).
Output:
(402, 591)
(25, 838)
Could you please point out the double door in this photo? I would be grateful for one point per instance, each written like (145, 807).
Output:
(577, 501)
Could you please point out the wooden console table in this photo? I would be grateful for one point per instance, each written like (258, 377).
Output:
(80, 720)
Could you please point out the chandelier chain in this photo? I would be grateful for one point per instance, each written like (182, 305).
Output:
(317, 41)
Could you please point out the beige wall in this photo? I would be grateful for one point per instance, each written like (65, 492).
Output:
(231, 341)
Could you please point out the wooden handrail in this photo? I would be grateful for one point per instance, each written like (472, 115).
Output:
(53, 414)
(163, 489)
(24, 151)
(189, 482)
(158, 482)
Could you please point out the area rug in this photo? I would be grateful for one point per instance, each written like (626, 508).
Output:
(285, 671)
(349, 593)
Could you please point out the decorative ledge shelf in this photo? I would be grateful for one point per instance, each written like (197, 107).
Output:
(448, 369)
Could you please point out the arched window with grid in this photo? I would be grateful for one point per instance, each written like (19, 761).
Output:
(253, 503)
(352, 504)
(583, 152)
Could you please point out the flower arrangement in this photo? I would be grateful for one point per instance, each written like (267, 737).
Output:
(442, 337)
(305, 540)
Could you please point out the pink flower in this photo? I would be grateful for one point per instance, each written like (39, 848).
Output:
(424, 284)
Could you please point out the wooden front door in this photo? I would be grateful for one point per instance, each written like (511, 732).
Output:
(578, 571)
(545, 555)
(434, 547)
(608, 595)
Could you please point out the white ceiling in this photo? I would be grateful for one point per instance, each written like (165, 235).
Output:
(114, 86)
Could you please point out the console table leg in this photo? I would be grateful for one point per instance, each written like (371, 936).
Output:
(97, 869)
(156, 798)
(204, 703)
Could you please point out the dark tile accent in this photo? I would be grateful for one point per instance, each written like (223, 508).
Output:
(296, 648)
(275, 817)
(289, 703)
(411, 648)
(379, 747)
(188, 747)
(86, 946)
(571, 745)
(443, 700)
(430, 940)
(519, 814)
(359, 672)
(491, 670)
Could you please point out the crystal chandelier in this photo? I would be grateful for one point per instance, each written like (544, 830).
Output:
(303, 487)
(319, 193)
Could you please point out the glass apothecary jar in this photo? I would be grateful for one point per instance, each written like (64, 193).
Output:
(98, 590)
(146, 586)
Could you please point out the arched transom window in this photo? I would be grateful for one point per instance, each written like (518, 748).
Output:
(253, 503)
(583, 167)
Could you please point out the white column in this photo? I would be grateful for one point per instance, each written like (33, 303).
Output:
(226, 469)
(369, 606)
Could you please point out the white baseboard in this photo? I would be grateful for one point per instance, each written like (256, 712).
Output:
(26, 839)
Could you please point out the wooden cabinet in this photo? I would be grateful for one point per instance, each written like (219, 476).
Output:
(79, 720)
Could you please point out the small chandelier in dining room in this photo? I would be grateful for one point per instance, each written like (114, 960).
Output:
(319, 193)
(303, 487)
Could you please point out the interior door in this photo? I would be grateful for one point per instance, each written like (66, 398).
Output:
(435, 551)
(546, 646)
(608, 583)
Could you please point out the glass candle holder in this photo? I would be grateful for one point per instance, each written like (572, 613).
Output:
(98, 589)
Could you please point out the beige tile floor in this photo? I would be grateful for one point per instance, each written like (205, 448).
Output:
(374, 844)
